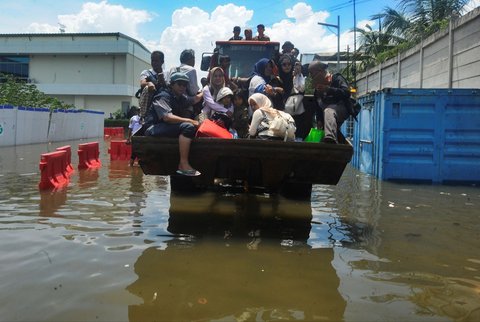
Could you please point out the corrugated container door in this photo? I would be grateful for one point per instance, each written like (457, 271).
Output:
(460, 151)
(366, 128)
(410, 131)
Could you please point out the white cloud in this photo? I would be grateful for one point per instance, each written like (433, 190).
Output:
(303, 30)
(193, 27)
(472, 4)
(363, 23)
(197, 29)
(98, 17)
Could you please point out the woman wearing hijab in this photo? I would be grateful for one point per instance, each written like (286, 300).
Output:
(292, 97)
(210, 92)
(262, 75)
(263, 115)
(283, 81)
(285, 73)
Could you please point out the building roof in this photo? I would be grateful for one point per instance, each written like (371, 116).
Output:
(86, 43)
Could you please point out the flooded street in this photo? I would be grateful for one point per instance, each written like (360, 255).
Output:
(115, 245)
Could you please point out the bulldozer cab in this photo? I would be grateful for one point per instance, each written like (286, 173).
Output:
(243, 55)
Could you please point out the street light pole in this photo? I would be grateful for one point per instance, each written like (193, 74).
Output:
(338, 38)
(354, 44)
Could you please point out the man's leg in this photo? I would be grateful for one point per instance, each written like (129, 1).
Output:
(187, 132)
(334, 116)
(184, 149)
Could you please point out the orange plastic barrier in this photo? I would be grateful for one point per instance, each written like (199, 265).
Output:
(88, 156)
(68, 166)
(52, 170)
(120, 150)
(113, 132)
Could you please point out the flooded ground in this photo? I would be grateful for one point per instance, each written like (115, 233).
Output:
(115, 245)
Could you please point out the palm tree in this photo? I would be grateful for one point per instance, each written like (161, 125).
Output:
(373, 43)
(417, 19)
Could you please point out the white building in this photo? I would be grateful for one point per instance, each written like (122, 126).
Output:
(98, 71)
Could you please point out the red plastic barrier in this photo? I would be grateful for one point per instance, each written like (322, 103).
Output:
(52, 170)
(68, 166)
(88, 156)
(120, 150)
(113, 132)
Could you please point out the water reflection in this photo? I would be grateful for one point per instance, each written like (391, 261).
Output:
(239, 215)
(51, 201)
(120, 169)
(238, 257)
(417, 248)
(206, 280)
(87, 178)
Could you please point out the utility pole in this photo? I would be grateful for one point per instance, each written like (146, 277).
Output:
(354, 45)
(338, 38)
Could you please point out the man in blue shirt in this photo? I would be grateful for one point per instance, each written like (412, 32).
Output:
(170, 115)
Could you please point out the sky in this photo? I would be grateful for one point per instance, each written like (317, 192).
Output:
(174, 25)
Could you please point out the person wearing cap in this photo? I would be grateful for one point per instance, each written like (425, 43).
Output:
(287, 47)
(236, 33)
(170, 116)
(330, 93)
(261, 35)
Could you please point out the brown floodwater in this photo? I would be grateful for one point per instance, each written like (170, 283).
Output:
(116, 245)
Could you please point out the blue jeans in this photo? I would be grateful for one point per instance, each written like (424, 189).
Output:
(171, 130)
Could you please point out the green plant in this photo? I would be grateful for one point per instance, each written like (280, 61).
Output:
(116, 123)
(18, 93)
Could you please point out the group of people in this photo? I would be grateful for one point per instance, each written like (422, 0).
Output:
(174, 106)
(249, 34)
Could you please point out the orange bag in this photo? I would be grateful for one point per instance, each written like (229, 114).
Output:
(209, 129)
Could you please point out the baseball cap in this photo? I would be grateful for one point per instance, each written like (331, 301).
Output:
(178, 76)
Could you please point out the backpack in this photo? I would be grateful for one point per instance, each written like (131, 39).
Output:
(283, 126)
(145, 96)
(352, 105)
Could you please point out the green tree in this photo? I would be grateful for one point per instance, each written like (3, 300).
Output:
(19, 93)
(404, 27)
(372, 44)
(417, 19)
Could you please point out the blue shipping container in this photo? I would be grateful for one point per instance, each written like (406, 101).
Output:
(419, 134)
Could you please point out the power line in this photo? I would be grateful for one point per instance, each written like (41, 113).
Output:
(336, 7)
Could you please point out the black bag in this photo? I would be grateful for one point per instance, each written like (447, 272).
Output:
(353, 107)
(222, 119)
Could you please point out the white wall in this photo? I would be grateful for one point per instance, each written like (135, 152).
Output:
(19, 125)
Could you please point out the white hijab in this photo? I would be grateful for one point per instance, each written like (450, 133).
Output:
(263, 103)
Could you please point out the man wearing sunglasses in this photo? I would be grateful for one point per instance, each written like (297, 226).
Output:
(331, 91)
(170, 115)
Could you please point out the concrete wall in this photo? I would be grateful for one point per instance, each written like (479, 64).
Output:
(27, 125)
(447, 59)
